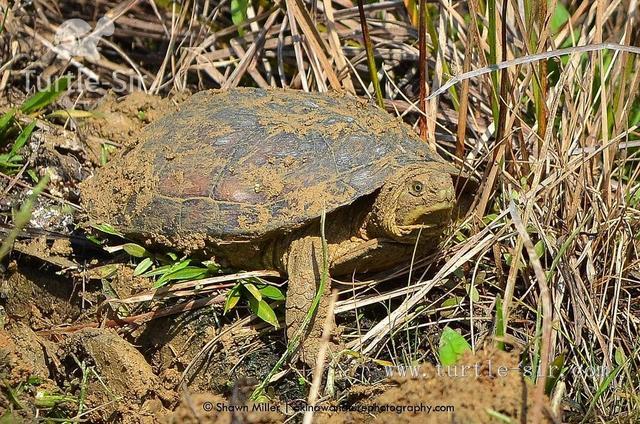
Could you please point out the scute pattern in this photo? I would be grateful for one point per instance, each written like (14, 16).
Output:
(242, 163)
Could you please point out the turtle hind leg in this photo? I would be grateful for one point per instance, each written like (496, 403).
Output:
(304, 267)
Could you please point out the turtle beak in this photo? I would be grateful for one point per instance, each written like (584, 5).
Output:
(431, 217)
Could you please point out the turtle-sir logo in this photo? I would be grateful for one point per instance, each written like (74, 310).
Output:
(75, 38)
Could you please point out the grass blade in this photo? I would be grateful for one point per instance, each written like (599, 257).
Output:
(46, 97)
(6, 121)
(22, 139)
(22, 217)
(422, 68)
(493, 58)
(371, 60)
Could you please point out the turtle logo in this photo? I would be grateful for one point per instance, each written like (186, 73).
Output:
(74, 37)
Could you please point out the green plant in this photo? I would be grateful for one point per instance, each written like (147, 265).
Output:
(43, 399)
(452, 346)
(11, 161)
(164, 267)
(255, 292)
(371, 62)
(239, 13)
(46, 97)
(22, 217)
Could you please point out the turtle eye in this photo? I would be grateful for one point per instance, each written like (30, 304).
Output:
(416, 188)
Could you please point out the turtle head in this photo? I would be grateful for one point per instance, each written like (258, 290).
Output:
(418, 199)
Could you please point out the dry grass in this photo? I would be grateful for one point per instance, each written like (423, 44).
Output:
(553, 226)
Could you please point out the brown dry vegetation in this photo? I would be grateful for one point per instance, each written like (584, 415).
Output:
(548, 249)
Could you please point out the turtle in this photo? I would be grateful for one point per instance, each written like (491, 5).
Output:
(245, 175)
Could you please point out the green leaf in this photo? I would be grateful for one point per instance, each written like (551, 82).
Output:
(15, 160)
(180, 265)
(45, 400)
(32, 174)
(450, 304)
(539, 248)
(619, 356)
(508, 259)
(22, 138)
(488, 219)
(188, 273)
(143, 266)
(560, 17)
(183, 273)
(473, 293)
(459, 273)
(452, 346)
(555, 371)
(105, 152)
(460, 237)
(34, 380)
(108, 229)
(161, 282)
(262, 399)
(232, 298)
(6, 120)
(10, 163)
(22, 217)
(104, 271)
(94, 240)
(603, 387)
(253, 290)
(8, 159)
(136, 250)
(263, 311)
(239, 12)
(8, 417)
(158, 271)
(13, 395)
(12, 160)
(271, 292)
(45, 97)
(212, 266)
(500, 326)
(498, 416)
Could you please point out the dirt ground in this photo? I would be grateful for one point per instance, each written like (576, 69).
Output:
(133, 375)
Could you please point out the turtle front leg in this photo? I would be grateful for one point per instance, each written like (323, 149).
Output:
(304, 267)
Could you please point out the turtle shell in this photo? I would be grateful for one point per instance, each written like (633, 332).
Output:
(246, 162)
